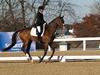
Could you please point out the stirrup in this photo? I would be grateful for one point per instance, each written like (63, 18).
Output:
(40, 39)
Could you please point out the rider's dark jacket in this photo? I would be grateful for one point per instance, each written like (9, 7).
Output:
(39, 22)
(39, 19)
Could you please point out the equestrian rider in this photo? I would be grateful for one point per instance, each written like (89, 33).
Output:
(39, 21)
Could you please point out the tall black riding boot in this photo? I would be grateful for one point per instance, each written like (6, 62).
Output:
(39, 39)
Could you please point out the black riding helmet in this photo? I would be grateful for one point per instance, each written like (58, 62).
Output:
(41, 7)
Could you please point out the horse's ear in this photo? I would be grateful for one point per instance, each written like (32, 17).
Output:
(62, 16)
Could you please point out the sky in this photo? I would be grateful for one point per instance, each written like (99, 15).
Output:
(84, 6)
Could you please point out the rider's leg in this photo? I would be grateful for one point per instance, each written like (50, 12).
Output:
(39, 33)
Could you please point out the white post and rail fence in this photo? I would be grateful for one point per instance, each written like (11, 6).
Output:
(84, 40)
(63, 58)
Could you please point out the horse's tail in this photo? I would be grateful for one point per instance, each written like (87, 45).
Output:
(13, 42)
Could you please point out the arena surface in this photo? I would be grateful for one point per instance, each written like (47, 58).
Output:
(51, 68)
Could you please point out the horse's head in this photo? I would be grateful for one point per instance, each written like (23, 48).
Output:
(60, 21)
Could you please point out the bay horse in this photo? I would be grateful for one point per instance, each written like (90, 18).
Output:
(46, 39)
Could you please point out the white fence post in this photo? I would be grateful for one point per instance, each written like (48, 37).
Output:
(63, 46)
(84, 45)
(99, 46)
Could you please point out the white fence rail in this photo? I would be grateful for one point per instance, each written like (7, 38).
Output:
(54, 58)
(79, 39)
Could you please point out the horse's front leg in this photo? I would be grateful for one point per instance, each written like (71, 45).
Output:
(45, 52)
(51, 45)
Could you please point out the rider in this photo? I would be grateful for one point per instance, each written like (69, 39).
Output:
(39, 21)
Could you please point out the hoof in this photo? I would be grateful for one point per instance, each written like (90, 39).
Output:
(31, 61)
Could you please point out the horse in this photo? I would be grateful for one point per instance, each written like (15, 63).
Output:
(46, 39)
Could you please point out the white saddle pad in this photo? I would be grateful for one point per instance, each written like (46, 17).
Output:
(33, 31)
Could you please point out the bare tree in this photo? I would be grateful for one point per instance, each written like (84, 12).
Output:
(22, 2)
(12, 10)
(95, 8)
(45, 2)
(2, 4)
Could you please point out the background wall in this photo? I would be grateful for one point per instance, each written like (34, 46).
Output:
(5, 40)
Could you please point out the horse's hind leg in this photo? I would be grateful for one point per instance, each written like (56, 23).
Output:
(26, 49)
(23, 49)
